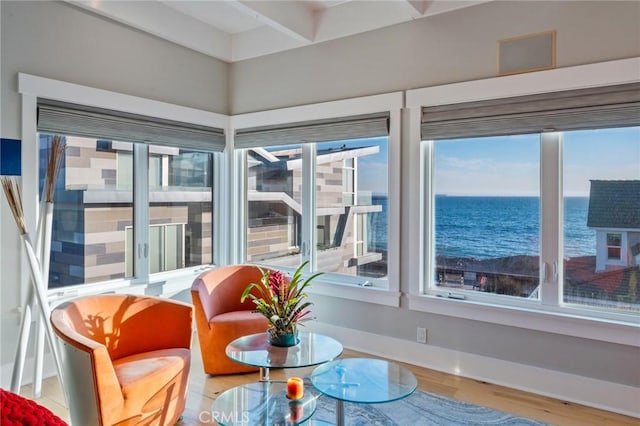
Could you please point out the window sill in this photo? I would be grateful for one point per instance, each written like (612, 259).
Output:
(375, 295)
(565, 322)
(167, 284)
(163, 284)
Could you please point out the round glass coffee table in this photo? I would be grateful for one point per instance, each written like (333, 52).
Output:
(363, 381)
(255, 350)
(262, 403)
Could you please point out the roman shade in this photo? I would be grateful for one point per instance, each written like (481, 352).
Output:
(334, 129)
(592, 108)
(79, 120)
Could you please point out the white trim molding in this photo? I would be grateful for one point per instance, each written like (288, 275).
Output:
(571, 78)
(378, 296)
(319, 111)
(47, 88)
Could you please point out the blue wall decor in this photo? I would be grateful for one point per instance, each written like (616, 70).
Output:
(10, 157)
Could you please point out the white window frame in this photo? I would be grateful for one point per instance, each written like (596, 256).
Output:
(548, 314)
(328, 284)
(622, 256)
(33, 87)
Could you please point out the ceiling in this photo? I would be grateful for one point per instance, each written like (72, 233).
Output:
(234, 30)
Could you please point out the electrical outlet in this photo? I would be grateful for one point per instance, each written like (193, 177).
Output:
(422, 335)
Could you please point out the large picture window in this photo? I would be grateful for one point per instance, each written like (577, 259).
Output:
(93, 206)
(92, 235)
(124, 208)
(321, 198)
(351, 219)
(487, 214)
(551, 216)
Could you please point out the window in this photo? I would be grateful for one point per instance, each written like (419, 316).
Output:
(321, 197)
(346, 240)
(167, 248)
(93, 206)
(614, 246)
(92, 236)
(274, 205)
(601, 185)
(105, 226)
(551, 217)
(181, 200)
(487, 215)
(347, 175)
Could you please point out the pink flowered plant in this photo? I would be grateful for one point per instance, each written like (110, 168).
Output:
(282, 300)
(276, 280)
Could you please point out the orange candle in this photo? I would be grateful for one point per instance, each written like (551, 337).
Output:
(295, 388)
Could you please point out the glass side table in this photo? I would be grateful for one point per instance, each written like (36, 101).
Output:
(256, 351)
(262, 403)
(363, 381)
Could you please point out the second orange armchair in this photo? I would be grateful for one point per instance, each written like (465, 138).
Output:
(222, 318)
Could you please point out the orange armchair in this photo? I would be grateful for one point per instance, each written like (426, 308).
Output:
(222, 318)
(125, 358)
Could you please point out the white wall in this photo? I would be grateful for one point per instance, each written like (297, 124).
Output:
(59, 41)
(453, 47)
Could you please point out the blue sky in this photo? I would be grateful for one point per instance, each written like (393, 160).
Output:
(600, 154)
(488, 166)
(373, 169)
(510, 165)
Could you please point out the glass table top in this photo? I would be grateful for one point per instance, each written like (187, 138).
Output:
(255, 350)
(364, 380)
(262, 403)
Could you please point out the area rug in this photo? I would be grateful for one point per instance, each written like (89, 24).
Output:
(419, 409)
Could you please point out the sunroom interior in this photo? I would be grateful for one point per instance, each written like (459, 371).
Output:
(369, 154)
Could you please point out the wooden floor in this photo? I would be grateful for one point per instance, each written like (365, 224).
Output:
(203, 389)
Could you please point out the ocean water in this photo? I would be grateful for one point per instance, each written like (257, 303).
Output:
(492, 227)
(578, 239)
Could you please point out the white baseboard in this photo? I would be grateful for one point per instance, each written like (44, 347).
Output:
(587, 391)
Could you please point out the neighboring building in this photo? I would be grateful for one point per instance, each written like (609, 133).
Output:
(614, 213)
(92, 236)
(275, 203)
(617, 288)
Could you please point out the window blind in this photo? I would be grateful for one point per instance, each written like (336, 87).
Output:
(593, 108)
(78, 120)
(352, 127)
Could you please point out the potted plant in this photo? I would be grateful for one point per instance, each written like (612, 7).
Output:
(282, 301)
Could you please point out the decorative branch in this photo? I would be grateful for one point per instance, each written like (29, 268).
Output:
(39, 267)
(12, 192)
(53, 166)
